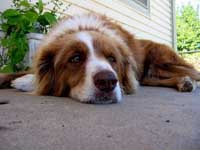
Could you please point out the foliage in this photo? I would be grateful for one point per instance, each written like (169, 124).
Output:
(24, 17)
(188, 28)
(193, 59)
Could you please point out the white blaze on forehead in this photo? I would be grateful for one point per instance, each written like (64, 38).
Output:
(94, 63)
(87, 39)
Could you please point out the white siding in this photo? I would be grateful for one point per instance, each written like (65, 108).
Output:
(157, 25)
(4, 4)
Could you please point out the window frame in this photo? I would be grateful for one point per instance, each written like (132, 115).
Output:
(138, 6)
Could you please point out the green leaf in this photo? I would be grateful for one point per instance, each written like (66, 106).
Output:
(4, 42)
(25, 3)
(19, 51)
(42, 20)
(31, 16)
(6, 69)
(5, 27)
(50, 18)
(10, 13)
(40, 6)
(14, 20)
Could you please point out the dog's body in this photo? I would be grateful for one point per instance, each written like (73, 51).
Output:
(94, 60)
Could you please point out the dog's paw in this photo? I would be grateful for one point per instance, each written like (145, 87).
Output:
(186, 84)
(24, 83)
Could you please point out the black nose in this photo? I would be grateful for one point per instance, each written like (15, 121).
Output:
(105, 81)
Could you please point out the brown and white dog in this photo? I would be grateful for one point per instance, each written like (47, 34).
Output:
(94, 60)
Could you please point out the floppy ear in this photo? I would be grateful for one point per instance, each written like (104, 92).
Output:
(49, 77)
(129, 75)
(128, 70)
(44, 70)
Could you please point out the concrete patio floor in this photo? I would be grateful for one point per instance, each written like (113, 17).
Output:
(152, 119)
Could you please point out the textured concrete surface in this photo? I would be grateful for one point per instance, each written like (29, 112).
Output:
(152, 119)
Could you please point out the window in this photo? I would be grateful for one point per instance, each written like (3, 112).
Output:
(141, 5)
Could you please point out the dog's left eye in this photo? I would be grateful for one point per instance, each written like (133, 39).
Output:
(111, 59)
(76, 58)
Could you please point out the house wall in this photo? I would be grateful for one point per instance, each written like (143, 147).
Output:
(4, 4)
(156, 25)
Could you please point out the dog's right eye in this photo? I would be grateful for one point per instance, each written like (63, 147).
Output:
(76, 58)
(111, 59)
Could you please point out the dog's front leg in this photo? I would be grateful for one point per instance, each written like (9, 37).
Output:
(183, 84)
(25, 83)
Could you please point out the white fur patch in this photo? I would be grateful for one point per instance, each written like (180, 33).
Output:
(85, 38)
(118, 92)
(94, 65)
(25, 83)
(84, 21)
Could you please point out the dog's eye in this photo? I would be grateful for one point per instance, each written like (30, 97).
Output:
(111, 59)
(76, 58)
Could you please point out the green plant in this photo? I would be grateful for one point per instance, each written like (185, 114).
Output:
(193, 59)
(188, 28)
(24, 17)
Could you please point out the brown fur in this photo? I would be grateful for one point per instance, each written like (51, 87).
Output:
(54, 74)
(5, 79)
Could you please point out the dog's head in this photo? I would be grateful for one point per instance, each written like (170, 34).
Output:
(86, 64)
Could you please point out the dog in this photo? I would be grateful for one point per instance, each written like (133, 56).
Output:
(92, 59)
